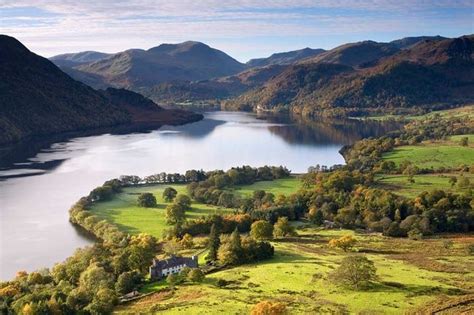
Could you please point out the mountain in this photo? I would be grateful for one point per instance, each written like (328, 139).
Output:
(285, 58)
(76, 59)
(209, 90)
(429, 74)
(408, 42)
(360, 54)
(137, 68)
(37, 98)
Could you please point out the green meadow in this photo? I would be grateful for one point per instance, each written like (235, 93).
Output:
(297, 276)
(424, 182)
(123, 211)
(285, 186)
(437, 154)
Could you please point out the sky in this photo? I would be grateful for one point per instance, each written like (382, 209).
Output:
(244, 29)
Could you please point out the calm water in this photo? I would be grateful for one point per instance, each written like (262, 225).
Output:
(39, 182)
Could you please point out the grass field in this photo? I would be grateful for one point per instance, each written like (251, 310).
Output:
(425, 182)
(123, 211)
(285, 186)
(130, 218)
(297, 276)
(448, 154)
(465, 111)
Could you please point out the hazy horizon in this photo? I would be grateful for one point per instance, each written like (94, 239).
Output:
(244, 29)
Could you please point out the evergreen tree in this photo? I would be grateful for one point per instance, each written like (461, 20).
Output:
(213, 243)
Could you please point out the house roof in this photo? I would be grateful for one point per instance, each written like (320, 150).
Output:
(171, 262)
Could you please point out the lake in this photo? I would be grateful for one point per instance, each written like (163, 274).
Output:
(40, 181)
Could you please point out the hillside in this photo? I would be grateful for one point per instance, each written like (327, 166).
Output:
(76, 59)
(285, 58)
(37, 98)
(137, 68)
(408, 42)
(430, 73)
(355, 54)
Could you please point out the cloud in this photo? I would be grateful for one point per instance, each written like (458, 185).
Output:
(55, 26)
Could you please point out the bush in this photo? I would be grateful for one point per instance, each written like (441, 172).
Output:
(269, 308)
(146, 200)
(195, 275)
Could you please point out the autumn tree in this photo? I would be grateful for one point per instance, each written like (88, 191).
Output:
(187, 241)
(230, 252)
(283, 228)
(261, 230)
(345, 242)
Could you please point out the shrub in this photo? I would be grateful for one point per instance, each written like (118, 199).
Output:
(146, 200)
(195, 275)
(269, 308)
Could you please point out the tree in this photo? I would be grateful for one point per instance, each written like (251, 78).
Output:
(172, 280)
(195, 275)
(345, 242)
(213, 243)
(146, 200)
(316, 216)
(230, 252)
(172, 247)
(169, 194)
(127, 282)
(103, 302)
(283, 228)
(464, 141)
(187, 241)
(355, 272)
(175, 213)
(95, 277)
(183, 200)
(261, 230)
(464, 182)
(269, 308)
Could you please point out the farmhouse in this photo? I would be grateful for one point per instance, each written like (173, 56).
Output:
(161, 268)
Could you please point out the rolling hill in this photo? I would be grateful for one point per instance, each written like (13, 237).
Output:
(37, 98)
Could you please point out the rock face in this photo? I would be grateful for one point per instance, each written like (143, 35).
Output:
(37, 98)
(371, 75)
(136, 68)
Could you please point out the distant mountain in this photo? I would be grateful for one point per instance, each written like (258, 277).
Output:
(285, 58)
(137, 68)
(360, 54)
(182, 91)
(37, 98)
(428, 74)
(408, 42)
(76, 59)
